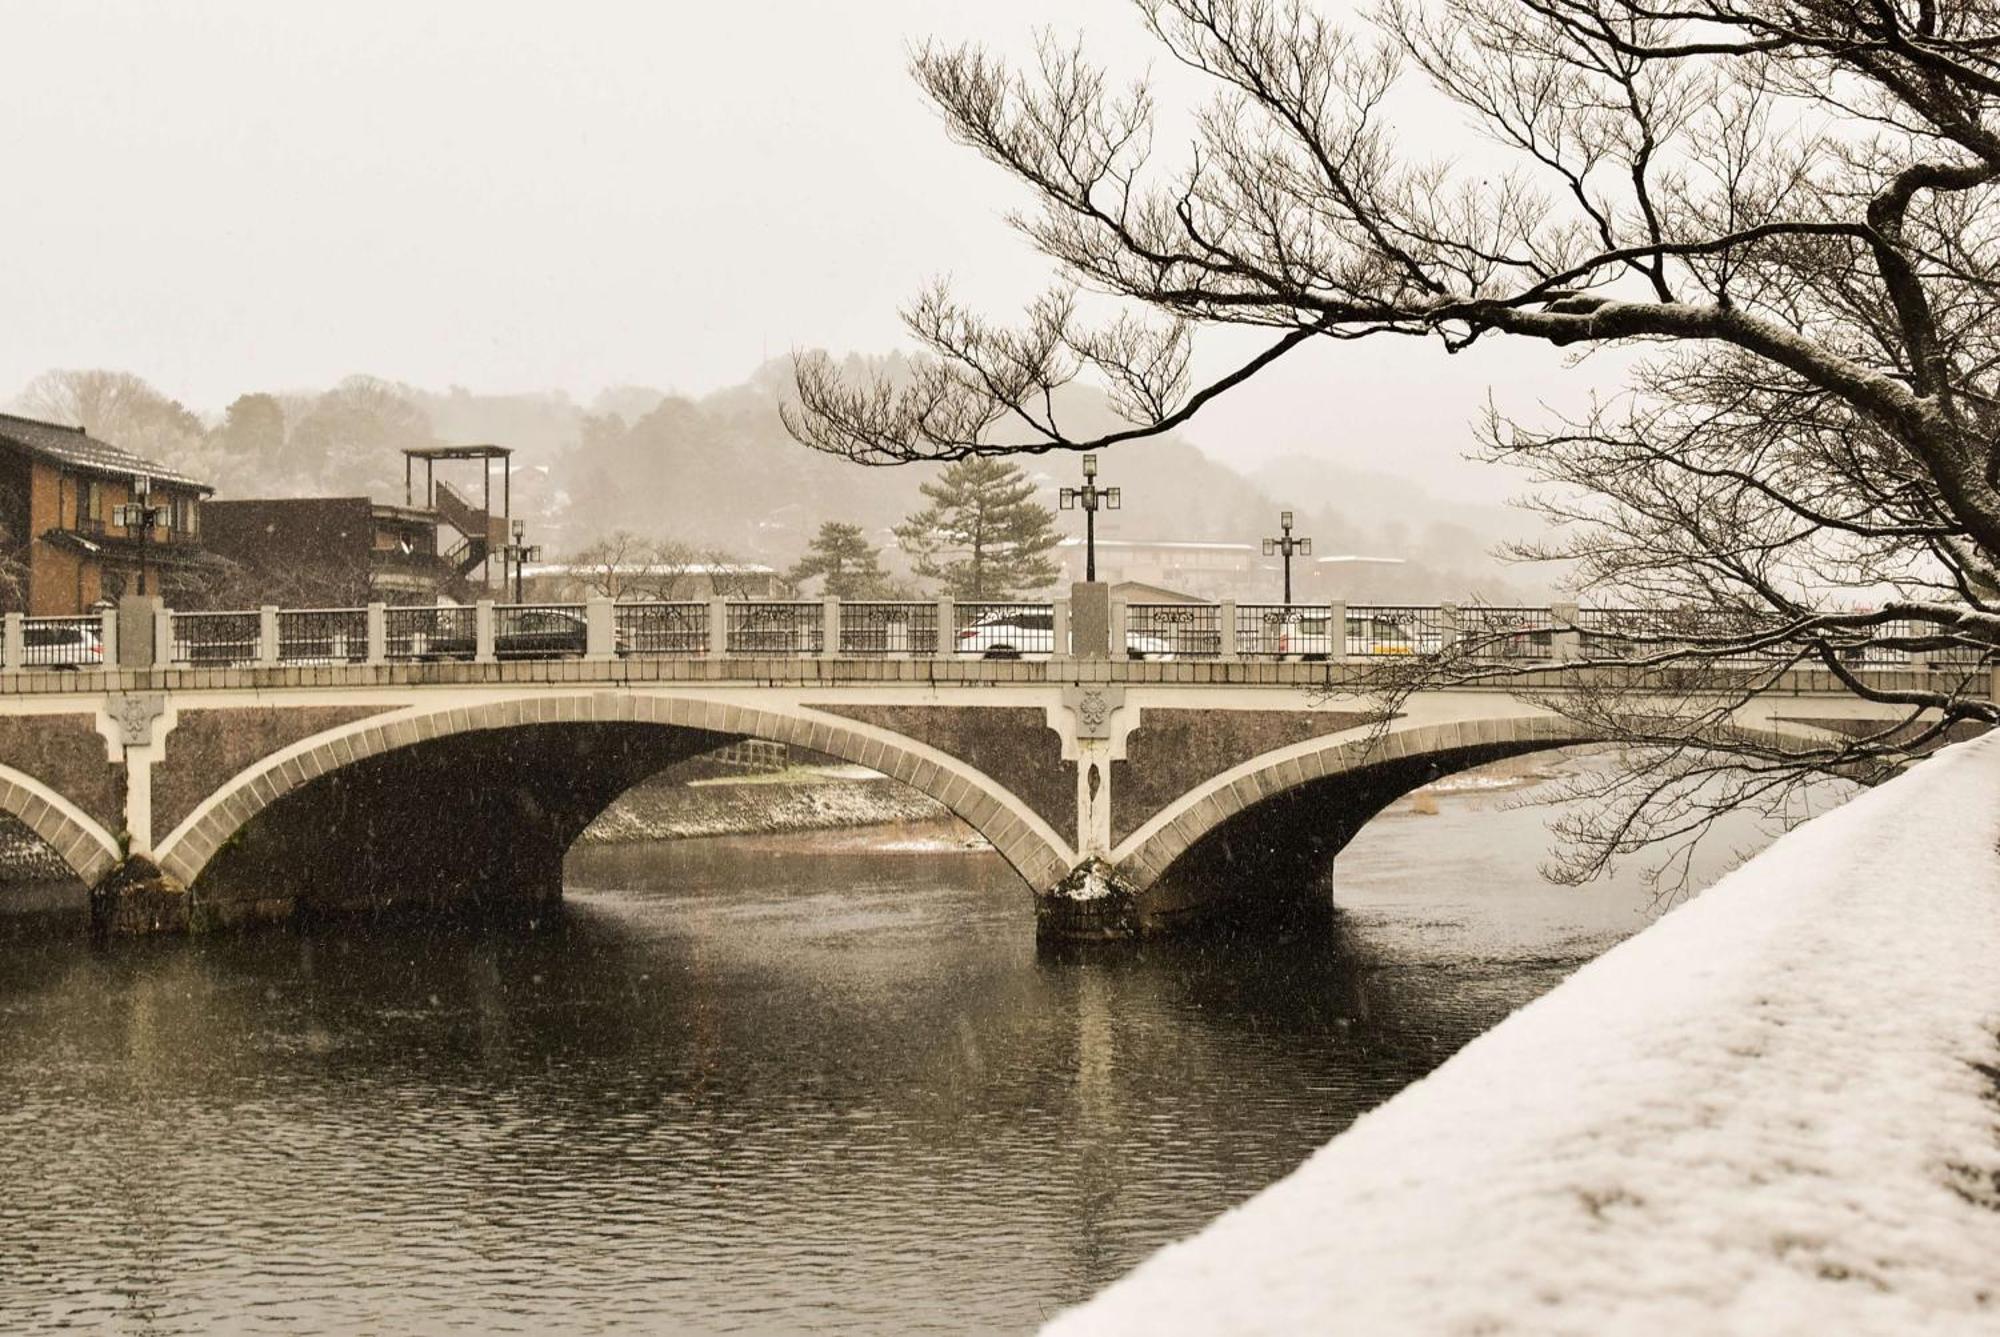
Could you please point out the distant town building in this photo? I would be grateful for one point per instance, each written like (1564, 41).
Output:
(60, 490)
(1139, 592)
(1213, 571)
(1206, 570)
(328, 551)
(567, 582)
(482, 532)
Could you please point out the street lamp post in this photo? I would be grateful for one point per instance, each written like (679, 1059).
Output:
(1090, 496)
(520, 554)
(1287, 545)
(142, 516)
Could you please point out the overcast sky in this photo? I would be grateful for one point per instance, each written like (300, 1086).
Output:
(507, 195)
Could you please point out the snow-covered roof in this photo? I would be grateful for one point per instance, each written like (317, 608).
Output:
(76, 448)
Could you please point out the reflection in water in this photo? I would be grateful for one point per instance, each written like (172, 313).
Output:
(736, 1086)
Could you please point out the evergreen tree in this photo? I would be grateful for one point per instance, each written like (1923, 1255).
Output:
(983, 536)
(841, 553)
(252, 434)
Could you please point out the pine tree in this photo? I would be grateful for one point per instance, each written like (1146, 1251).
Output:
(983, 536)
(841, 553)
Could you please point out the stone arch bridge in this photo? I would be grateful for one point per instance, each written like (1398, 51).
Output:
(268, 791)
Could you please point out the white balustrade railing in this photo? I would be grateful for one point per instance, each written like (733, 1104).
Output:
(602, 629)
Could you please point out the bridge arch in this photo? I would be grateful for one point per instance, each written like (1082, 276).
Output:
(1025, 840)
(1281, 817)
(77, 838)
(1421, 751)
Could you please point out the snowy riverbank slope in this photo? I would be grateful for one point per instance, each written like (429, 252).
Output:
(1772, 1112)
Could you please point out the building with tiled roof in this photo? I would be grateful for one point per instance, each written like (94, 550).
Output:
(61, 491)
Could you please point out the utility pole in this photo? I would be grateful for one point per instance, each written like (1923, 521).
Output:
(142, 516)
(1287, 545)
(1090, 496)
(520, 554)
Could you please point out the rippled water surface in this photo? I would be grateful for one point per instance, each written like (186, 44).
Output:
(781, 1086)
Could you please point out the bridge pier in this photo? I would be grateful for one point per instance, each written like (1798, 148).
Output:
(138, 899)
(1095, 903)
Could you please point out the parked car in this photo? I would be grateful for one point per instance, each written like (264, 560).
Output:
(62, 645)
(1387, 634)
(1009, 633)
(527, 633)
(1296, 631)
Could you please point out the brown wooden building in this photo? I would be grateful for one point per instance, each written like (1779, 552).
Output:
(327, 551)
(60, 489)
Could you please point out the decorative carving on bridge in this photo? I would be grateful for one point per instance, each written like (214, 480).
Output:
(1093, 707)
(134, 713)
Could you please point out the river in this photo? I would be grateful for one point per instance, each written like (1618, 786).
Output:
(815, 1084)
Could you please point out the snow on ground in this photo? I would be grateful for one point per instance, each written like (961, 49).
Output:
(1760, 1115)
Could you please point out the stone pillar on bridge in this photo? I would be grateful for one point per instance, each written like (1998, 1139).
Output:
(267, 635)
(1059, 621)
(600, 629)
(829, 634)
(718, 627)
(482, 632)
(1565, 641)
(139, 619)
(15, 657)
(1090, 619)
(378, 633)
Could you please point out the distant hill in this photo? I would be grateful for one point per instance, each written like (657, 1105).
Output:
(720, 472)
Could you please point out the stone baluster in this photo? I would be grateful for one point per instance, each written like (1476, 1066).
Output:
(718, 628)
(267, 635)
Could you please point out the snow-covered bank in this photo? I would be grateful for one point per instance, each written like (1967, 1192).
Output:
(1771, 1112)
(665, 809)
